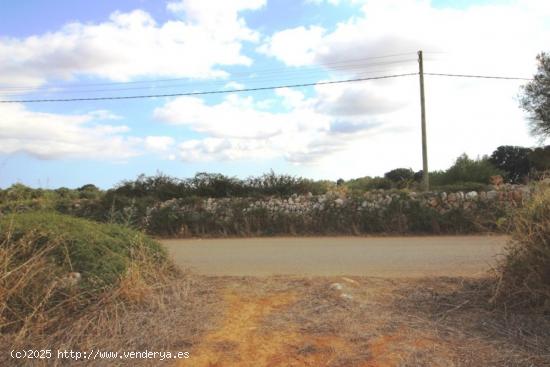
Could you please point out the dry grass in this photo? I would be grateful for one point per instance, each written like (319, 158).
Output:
(152, 306)
(383, 322)
(524, 275)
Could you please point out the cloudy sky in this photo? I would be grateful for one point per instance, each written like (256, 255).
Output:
(63, 49)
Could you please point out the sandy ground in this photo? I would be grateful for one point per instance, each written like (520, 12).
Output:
(332, 256)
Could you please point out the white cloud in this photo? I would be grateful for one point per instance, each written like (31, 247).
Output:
(232, 85)
(159, 144)
(133, 44)
(104, 115)
(464, 115)
(296, 46)
(237, 128)
(54, 136)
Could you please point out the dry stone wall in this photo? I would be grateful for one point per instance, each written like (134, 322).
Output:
(378, 211)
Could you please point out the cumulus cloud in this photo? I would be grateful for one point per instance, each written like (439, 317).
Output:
(209, 36)
(464, 115)
(295, 46)
(55, 136)
(159, 144)
(238, 128)
(104, 115)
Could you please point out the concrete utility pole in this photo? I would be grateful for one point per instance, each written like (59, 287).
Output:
(425, 176)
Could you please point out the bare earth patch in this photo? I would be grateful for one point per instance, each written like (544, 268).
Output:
(358, 321)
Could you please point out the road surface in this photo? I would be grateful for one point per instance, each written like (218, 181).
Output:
(329, 256)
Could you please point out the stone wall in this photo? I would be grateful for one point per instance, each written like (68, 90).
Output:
(339, 213)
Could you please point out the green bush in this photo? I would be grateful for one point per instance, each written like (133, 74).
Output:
(100, 252)
(466, 170)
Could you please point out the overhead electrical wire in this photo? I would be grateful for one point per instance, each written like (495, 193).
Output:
(209, 92)
(334, 65)
(357, 68)
(211, 84)
(478, 76)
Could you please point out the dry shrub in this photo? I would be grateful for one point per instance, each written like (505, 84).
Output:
(524, 274)
(42, 305)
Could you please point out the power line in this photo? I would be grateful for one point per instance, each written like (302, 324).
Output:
(291, 78)
(479, 76)
(328, 65)
(209, 92)
(290, 74)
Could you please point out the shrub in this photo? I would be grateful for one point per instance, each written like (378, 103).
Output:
(40, 251)
(524, 274)
(466, 170)
(100, 252)
(399, 175)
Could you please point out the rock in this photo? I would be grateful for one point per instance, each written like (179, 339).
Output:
(70, 280)
(451, 198)
(346, 296)
(336, 286)
(471, 195)
(443, 196)
(349, 280)
(492, 195)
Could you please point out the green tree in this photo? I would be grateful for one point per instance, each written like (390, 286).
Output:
(399, 175)
(535, 98)
(466, 169)
(539, 159)
(513, 160)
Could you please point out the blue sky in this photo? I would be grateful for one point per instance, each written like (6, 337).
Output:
(67, 49)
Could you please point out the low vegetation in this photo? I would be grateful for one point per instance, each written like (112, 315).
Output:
(71, 283)
(524, 274)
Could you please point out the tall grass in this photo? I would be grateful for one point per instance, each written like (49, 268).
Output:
(524, 274)
(64, 278)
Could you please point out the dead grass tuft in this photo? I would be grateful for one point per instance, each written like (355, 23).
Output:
(524, 274)
(151, 306)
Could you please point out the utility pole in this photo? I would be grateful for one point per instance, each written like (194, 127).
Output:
(425, 176)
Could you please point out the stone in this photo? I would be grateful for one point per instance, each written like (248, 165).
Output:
(492, 195)
(471, 195)
(70, 280)
(451, 198)
(336, 286)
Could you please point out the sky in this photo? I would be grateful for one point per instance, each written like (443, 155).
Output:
(66, 49)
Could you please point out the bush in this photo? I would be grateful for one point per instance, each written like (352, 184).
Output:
(524, 274)
(466, 170)
(41, 253)
(399, 175)
(100, 252)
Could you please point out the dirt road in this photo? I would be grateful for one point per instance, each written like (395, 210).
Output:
(330, 256)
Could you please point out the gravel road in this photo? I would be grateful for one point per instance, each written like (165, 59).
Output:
(393, 257)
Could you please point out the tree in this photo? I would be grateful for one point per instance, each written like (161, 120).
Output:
(513, 160)
(399, 175)
(535, 98)
(466, 170)
(539, 159)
